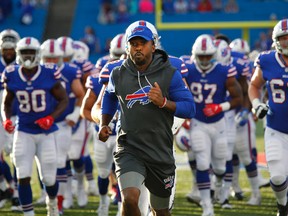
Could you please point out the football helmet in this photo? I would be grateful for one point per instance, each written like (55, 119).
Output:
(204, 46)
(9, 39)
(81, 50)
(66, 44)
(240, 45)
(223, 53)
(117, 46)
(28, 52)
(150, 26)
(51, 49)
(280, 29)
(183, 140)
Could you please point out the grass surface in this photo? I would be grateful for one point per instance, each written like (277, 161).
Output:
(182, 207)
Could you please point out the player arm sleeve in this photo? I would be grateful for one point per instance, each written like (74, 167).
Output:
(181, 95)
(110, 100)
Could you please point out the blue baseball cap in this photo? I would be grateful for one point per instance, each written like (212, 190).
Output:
(140, 31)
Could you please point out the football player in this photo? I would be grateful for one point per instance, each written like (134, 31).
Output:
(103, 151)
(33, 86)
(8, 41)
(80, 132)
(271, 69)
(208, 81)
(51, 53)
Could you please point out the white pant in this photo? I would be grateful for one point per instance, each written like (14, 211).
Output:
(209, 144)
(79, 140)
(63, 140)
(41, 146)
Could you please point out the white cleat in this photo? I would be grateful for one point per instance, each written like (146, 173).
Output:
(103, 209)
(74, 186)
(194, 196)
(92, 188)
(207, 209)
(263, 182)
(52, 207)
(82, 198)
(42, 199)
(68, 200)
(255, 200)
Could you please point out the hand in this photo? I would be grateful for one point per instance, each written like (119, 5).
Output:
(241, 117)
(212, 109)
(261, 110)
(104, 133)
(45, 122)
(155, 95)
(8, 126)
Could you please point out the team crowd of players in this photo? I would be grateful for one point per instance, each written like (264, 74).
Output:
(54, 100)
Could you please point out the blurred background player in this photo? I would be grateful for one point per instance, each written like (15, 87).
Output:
(80, 135)
(104, 151)
(70, 79)
(238, 126)
(209, 81)
(8, 41)
(34, 86)
(80, 58)
(271, 69)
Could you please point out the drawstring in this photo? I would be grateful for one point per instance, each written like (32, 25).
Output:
(139, 82)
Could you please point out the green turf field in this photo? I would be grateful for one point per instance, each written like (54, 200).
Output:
(182, 207)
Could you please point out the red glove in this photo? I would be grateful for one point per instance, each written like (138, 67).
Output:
(8, 126)
(45, 122)
(212, 109)
(186, 124)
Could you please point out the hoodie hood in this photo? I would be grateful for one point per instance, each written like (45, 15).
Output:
(159, 62)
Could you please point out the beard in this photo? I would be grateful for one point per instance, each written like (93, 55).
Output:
(139, 59)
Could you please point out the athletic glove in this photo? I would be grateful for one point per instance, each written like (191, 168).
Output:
(241, 117)
(45, 122)
(212, 109)
(8, 126)
(259, 109)
(186, 124)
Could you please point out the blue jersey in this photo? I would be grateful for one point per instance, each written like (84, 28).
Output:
(275, 74)
(101, 62)
(69, 72)
(241, 67)
(179, 64)
(209, 87)
(33, 96)
(107, 69)
(244, 58)
(92, 83)
(85, 66)
(3, 65)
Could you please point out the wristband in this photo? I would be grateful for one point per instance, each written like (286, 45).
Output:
(164, 103)
(255, 103)
(225, 106)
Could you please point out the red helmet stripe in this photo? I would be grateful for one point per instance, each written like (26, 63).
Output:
(28, 41)
(284, 25)
(242, 44)
(119, 41)
(217, 42)
(52, 46)
(204, 44)
(63, 45)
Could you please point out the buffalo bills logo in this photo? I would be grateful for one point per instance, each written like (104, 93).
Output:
(139, 95)
(185, 142)
(138, 29)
